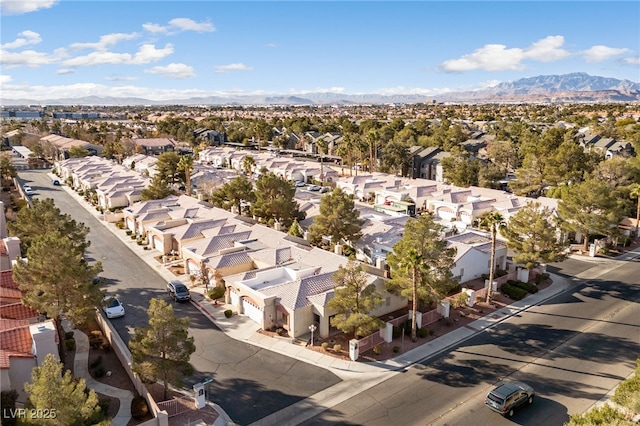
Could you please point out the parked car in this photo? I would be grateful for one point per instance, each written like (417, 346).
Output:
(508, 397)
(55, 182)
(324, 189)
(113, 308)
(299, 183)
(178, 291)
(314, 188)
(27, 190)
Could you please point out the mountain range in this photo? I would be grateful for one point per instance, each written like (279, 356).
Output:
(566, 88)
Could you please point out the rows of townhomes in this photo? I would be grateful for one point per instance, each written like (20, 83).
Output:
(276, 279)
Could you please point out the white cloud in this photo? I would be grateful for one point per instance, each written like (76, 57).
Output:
(5, 78)
(173, 71)
(602, 53)
(186, 24)
(27, 58)
(105, 42)
(154, 28)
(146, 53)
(18, 7)
(547, 49)
(64, 71)
(633, 60)
(271, 45)
(221, 69)
(491, 57)
(28, 38)
(120, 78)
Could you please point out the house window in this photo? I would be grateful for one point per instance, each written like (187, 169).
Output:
(388, 301)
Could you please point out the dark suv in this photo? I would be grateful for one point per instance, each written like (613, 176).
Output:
(509, 396)
(178, 291)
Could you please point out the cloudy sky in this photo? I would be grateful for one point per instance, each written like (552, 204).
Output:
(179, 49)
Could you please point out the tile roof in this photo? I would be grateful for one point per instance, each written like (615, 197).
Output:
(229, 259)
(6, 279)
(295, 294)
(15, 342)
(17, 311)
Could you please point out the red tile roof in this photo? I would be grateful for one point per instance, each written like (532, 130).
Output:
(17, 311)
(6, 279)
(15, 342)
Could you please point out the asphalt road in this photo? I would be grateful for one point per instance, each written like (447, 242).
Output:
(573, 350)
(249, 383)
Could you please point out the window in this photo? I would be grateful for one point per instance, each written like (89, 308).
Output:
(388, 301)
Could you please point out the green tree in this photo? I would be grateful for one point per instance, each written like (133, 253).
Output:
(78, 152)
(421, 264)
(162, 350)
(354, 298)
(275, 200)
(491, 222)
(635, 193)
(460, 169)
(396, 158)
(44, 217)
(295, 229)
(248, 165)
(234, 193)
(589, 208)
(53, 392)
(56, 280)
(533, 234)
(168, 168)
(157, 190)
(338, 218)
(185, 165)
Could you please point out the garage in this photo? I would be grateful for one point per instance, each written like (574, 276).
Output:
(252, 311)
(233, 297)
(157, 243)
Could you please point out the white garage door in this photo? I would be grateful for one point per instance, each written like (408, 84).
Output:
(252, 312)
(157, 243)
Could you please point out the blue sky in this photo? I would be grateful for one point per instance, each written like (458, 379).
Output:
(178, 49)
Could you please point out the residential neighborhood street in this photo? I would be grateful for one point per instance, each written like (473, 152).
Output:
(573, 349)
(248, 382)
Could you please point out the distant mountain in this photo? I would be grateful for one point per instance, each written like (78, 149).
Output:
(574, 87)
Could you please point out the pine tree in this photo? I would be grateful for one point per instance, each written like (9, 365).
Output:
(64, 398)
(421, 265)
(354, 298)
(275, 201)
(338, 219)
(534, 235)
(162, 350)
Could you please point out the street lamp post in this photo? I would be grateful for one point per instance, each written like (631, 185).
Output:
(312, 328)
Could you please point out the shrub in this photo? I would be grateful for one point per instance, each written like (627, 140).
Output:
(68, 335)
(228, 313)
(501, 273)
(448, 322)
(337, 347)
(99, 372)
(217, 292)
(513, 292)
(325, 346)
(8, 401)
(280, 331)
(120, 224)
(128, 231)
(541, 277)
(529, 287)
(139, 408)
(396, 349)
(97, 362)
(377, 349)
(70, 344)
(423, 332)
(459, 301)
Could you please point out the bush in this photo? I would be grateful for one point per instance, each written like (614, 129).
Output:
(513, 292)
(541, 277)
(128, 231)
(337, 347)
(97, 362)
(70, 344)
(377, 349)
(99, 372)
(459, 301)
(68, 335)
(228, 313)
(280, 331)
(8, 402)
(217, 292)
(423, 332)
(396, 349)
(325, 346)
(529, 287)
(139, 408)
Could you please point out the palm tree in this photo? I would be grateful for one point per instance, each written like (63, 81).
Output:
(412, 263)
(248, 164)
(322, 147)
(635, 193)
(491, 221)
(186, 164)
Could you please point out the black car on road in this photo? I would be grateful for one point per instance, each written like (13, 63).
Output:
(178, 291)
(508, 397)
